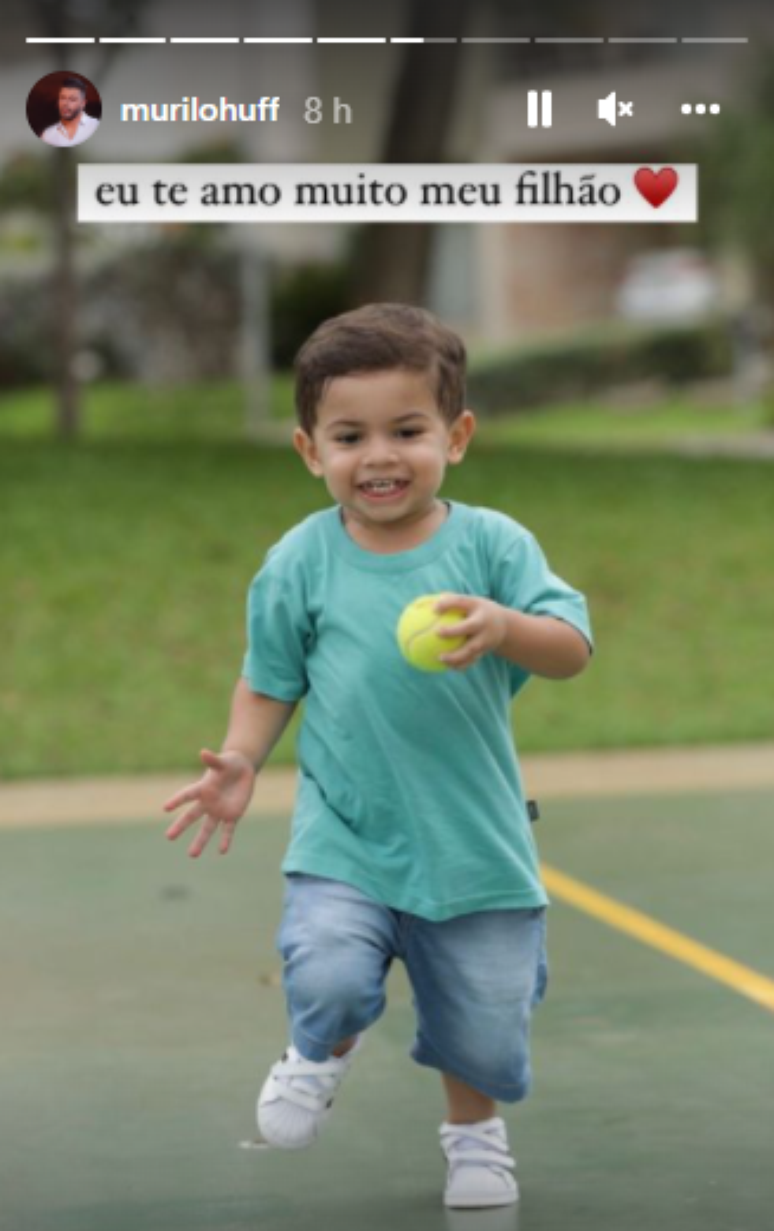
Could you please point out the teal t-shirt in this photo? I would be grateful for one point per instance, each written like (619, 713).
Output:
(409, 787)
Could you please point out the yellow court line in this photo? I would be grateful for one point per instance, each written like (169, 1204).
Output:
(742, 979)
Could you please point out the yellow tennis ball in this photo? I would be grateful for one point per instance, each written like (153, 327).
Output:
(418, 633)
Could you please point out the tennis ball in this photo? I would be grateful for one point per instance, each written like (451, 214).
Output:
(418, 636)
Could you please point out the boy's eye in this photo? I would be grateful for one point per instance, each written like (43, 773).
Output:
(352, 438)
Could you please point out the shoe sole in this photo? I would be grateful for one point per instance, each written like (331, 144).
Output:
(480, 1203)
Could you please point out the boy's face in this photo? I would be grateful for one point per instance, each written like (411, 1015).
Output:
(382, 446)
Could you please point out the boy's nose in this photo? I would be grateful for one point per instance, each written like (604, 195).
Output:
(380, 450)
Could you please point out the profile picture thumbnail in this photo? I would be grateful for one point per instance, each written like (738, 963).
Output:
(64, 109)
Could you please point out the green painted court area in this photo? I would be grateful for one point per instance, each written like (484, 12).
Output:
(141, 1008)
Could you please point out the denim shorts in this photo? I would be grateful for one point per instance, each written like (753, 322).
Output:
(475, 980)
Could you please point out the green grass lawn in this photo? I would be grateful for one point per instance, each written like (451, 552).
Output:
(213, 411)
(603, 427)
(216, 411)
(124, 564)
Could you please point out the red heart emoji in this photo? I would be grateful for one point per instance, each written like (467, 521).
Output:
(656, 186)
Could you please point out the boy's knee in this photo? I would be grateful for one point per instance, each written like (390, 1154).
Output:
(316, 976)
(321, 986)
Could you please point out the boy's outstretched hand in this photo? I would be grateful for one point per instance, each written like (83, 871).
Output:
(221, 796)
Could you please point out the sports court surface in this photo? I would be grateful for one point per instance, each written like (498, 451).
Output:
(141, 1008)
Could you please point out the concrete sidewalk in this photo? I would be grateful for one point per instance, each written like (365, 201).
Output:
(84, 801)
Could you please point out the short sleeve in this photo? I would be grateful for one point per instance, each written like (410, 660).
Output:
(278, 638)
(523, 580)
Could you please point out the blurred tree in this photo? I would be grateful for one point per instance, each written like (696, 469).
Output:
(393, 259)
(25, 184)
(67, 19)
(738, 181)
(737, 200)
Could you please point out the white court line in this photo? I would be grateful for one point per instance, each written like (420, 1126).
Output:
(132, 40)
(278, 40)
(60, 40)
(204, 40)
(351, 40)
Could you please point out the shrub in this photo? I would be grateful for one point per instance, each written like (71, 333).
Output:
(164, 311)
(584, 366)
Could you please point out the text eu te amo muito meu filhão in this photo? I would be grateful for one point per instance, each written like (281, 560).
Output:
(531, 188)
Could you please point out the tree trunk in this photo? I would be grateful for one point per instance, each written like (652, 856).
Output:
(394, 257)
(64, 299)
(66, 19)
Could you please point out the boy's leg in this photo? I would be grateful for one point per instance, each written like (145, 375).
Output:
(466, 1105)
(346, 1045)
(476, 979)
(337, 946)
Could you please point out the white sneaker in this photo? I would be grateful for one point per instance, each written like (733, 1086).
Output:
(479, 1165)
(296, 1098)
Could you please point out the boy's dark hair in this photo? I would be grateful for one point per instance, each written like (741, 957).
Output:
(73, 83)
(377, 338)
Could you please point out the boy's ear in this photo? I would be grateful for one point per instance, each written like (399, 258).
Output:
(306, 448)
(460, 434)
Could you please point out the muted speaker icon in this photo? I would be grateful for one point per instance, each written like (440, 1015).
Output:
(611, 110)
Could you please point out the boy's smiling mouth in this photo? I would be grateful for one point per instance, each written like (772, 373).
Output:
(383, 489)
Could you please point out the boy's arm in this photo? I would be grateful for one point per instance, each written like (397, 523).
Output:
(255, 724)
(222, 795)
(540, 644)
(543, 645)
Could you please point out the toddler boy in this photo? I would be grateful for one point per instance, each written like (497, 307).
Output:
(410, 835)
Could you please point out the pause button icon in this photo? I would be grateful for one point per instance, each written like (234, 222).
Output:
(539, 109)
